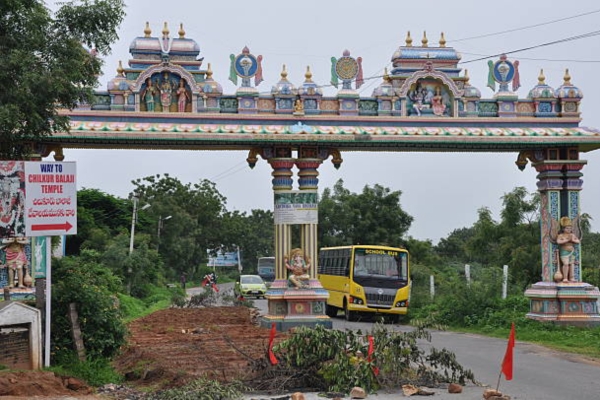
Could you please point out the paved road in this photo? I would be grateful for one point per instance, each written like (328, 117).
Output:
(539, 373)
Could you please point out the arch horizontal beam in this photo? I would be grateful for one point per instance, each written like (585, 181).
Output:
(239, 132)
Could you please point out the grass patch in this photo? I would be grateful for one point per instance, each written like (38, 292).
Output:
(96, 372)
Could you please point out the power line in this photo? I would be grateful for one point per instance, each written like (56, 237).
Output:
(228, 172)
(524, 27)
(542, 59)
(569, 39)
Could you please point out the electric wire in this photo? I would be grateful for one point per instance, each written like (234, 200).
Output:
(524, 27)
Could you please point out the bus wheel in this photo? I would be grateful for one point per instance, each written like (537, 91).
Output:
(331, 311)
(349, 315)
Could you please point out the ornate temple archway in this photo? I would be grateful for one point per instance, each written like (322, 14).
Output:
(424, 103)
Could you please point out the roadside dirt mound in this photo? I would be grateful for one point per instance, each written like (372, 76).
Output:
(28, 384)
(171, 347)
(166, 349)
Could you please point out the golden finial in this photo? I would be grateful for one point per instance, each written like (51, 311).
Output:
(165, 30)
(209, 72)
(541, 78)
(120, 69)
(386, 76)
(466, 77)
(308, 75)
(284, 73)
(408, 40)
(147, 30)
(567, 77)
(181, 32)
(442, 40)
(424, 40)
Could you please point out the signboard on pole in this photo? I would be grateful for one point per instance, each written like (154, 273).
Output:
(223, 259)
(50, 199)
(296, 207)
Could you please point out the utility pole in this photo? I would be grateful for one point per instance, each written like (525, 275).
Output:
(161, 221)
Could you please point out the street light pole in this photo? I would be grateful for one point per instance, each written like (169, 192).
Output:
(134, 220)
(161, 220)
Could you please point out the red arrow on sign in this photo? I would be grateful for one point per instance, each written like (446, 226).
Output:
(52, 227)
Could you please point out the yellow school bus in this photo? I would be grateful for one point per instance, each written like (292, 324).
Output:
(365, 279)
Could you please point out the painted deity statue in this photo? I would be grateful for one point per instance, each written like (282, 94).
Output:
(16, 261)
(166, 92)
(298, 264)
(566, 240)
(182, 96)
(437, 102)
(148, 95)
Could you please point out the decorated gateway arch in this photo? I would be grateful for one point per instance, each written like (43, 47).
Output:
(168, 97)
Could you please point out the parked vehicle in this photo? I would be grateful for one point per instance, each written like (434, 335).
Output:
(250, 286)
(266, 268)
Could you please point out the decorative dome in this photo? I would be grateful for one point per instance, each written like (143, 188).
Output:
(283, 87)
(568, 90)
(309, 88)
(151, 48)
(541, 90)
(470, 91)
(119, 82)
(385, 89)
(210, 85)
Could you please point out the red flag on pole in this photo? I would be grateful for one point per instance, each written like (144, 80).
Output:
(272, 357)
(507, 363)
(370, 353)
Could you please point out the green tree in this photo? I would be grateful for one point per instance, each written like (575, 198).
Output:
(100, 217)
(452, 248)
(253, 233)
(197, 223)
(46, 66)
(371, 217)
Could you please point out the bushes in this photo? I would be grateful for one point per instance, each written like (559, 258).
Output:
(341, 359)
(93, 288)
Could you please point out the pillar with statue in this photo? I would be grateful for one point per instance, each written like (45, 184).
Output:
(296, 297)
(561, 296)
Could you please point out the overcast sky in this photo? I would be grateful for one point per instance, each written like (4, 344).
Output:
(442, 191)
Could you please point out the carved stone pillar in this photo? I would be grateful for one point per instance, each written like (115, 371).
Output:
(559, 184)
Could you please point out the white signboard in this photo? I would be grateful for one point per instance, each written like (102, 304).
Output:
(294, 207)
(50, 199)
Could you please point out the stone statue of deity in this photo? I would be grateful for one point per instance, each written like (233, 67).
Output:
(16, 261)
(298, 264)
(566, 239)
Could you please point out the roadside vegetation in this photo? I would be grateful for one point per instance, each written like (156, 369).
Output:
(111, 284)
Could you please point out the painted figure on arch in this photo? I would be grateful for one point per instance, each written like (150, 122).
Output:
(437, 102)
(182, 96)
(166, 92)
(148, 95)
(298, 264)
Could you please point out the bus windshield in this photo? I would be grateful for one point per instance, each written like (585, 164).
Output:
(380, 263)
